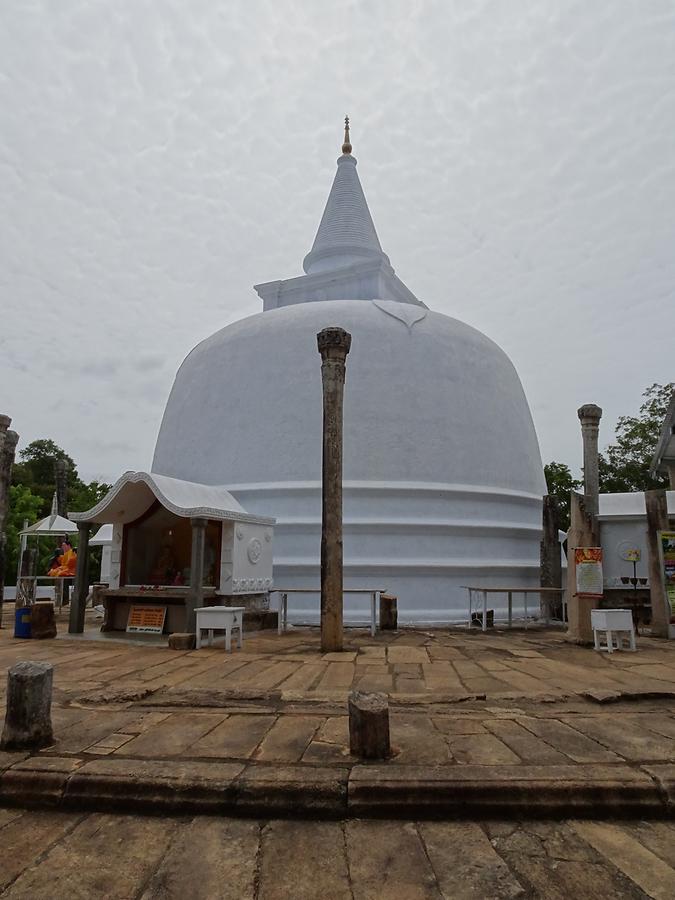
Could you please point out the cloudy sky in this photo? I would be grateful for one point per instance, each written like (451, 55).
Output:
(159, 157)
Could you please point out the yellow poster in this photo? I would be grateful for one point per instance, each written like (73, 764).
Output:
(588, 566)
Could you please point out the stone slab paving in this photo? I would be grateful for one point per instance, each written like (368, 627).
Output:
(510, 705)
(419, 664)
(52, 855)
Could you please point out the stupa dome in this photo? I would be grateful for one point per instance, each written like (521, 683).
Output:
(442, 474)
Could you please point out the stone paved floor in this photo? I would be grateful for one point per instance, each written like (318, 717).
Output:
(406, 664)
(49, 856)
(500, 699)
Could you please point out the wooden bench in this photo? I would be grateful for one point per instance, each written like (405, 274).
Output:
(219, 618)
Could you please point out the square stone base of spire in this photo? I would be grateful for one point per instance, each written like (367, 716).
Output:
(370, 280)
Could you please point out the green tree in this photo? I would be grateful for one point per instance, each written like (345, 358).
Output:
(560, 482)
(32, 490)
(35, 470)
(624, 466)
(24, 505)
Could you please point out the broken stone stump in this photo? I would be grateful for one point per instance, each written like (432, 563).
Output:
(388, 612)
(42, 620)
(369, 725)
(28, 719)
(181, 641)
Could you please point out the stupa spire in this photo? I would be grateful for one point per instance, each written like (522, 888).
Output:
(347, 147)
(346, 232)
(346, 261)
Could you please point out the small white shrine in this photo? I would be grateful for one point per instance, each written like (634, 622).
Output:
(162, 530)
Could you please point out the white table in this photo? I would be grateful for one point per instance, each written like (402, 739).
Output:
(219, 618)
(615, 623)
(283, 603)
(510, 591)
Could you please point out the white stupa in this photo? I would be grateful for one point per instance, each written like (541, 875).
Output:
(443, 479)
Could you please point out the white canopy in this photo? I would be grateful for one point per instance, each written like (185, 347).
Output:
(135, 492)
(103, 537)
(52, 525)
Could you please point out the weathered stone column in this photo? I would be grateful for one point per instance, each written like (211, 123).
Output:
(656, 506)
(334, 344)
(61, 479)
(28, 719)
(8, 442)
(81, 590)
(195, 596)
(551, 566)
(589, 416)
(550, 575)
(369, 725)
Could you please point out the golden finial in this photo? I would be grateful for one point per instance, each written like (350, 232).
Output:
(346, 147)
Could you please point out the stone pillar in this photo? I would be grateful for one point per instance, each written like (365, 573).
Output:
(582, 533)
(551, 566)
(8, 442)
(195, 597)
(81, 590)
(589, 416)
(656, 506)
(369, 725)
(61, 478)
(28, 719)
(550, 574)
(334, 344)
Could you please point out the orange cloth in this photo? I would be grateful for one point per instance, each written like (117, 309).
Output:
(66, 567)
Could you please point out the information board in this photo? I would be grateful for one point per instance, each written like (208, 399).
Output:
(146, 619)
(588, 566)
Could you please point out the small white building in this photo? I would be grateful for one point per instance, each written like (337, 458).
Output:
(103, 539)
(161, 529)
(623, 528)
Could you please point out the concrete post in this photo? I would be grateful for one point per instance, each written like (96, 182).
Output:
(334, 344)
(656, 506)
(28, 719)
(81, 590)
(195, 596)
(589, 416)
(8, 442)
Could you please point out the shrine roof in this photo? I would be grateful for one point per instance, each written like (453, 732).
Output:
(135, 492)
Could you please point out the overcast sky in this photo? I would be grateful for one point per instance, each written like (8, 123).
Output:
(159, 157)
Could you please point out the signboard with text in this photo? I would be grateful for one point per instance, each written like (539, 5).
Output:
(146, 619)
(588, 571)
